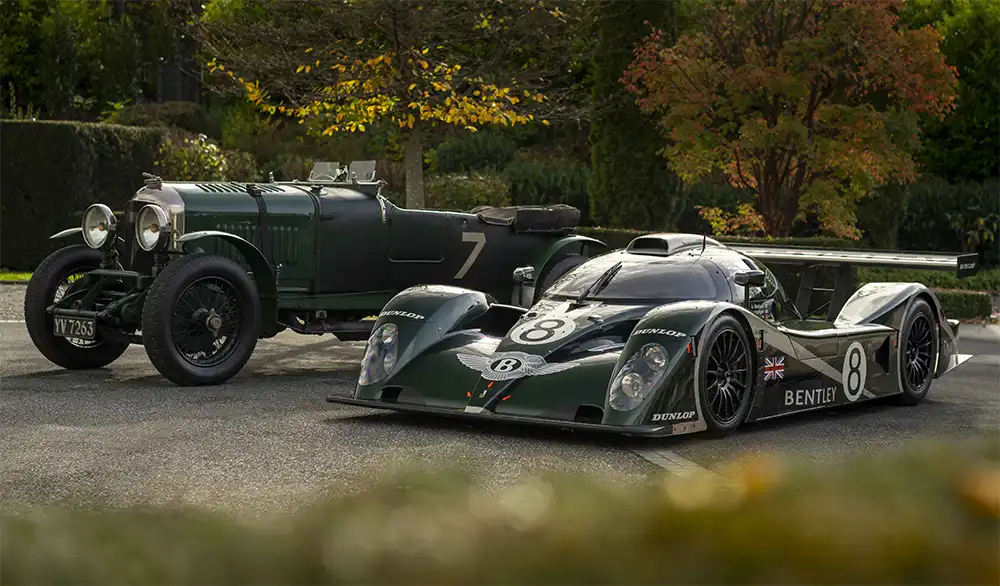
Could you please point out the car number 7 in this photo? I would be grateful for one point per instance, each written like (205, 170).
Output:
(480, 239)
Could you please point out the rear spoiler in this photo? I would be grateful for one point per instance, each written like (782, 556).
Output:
(847, 261)
(964, 265)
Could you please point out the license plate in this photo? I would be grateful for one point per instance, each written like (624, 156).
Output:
(84, 328)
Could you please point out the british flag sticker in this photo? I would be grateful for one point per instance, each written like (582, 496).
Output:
(774, 368)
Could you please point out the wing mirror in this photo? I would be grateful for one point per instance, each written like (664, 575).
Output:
(750, 279)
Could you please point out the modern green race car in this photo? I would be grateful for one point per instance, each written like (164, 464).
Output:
(674, 334)
(197, 272)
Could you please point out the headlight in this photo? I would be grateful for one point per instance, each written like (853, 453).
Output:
(380, 355)
(638, 377)
(99, 223)
(151, 226)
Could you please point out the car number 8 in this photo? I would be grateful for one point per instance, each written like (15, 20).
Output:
(543, 331)
(855, 371)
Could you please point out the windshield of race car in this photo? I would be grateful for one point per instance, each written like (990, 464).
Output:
(662, 279)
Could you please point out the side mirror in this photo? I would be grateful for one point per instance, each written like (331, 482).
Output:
(750, 279)
(524, 274)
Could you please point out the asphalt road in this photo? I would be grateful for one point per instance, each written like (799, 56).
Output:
(267, 440)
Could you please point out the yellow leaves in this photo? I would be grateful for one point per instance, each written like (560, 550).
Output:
(545, 122)
(309, 50)
(471, 128)
(424, 52)
(410, 88)
(299, 68)
(423, 64)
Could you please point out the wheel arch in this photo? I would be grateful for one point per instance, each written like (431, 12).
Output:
(263, 276)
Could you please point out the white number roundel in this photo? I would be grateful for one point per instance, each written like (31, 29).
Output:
(855, 371)
(542, 331)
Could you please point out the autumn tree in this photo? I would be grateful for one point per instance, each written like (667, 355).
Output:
(343, 66)
(807, 103)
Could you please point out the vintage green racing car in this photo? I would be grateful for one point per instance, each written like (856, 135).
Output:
(674, 334)
(197, 272)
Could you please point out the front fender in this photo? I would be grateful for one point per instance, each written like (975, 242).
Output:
(424, 316)
(67, 232)
(263, 276)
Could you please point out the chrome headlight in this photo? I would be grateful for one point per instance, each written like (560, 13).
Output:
(638, 377)
(99, 224)
(152, 227)
(380, 355)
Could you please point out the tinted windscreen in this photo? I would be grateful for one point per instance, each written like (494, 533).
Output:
(661, 279)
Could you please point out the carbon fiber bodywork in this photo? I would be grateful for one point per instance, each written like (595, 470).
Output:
(457, 354)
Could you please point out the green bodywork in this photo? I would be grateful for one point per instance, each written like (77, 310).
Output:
(326, 255)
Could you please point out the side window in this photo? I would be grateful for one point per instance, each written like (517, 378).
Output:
(765, 292)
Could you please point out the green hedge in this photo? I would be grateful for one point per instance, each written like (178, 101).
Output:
(984, 280)
(928, 516)
(965, 304)
(50, 171)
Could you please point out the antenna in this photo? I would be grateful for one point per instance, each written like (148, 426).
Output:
(704, 241)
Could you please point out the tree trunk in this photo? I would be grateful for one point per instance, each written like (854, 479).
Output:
(413, 164)
(778, 209)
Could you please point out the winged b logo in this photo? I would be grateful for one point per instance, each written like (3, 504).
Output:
(503, 366)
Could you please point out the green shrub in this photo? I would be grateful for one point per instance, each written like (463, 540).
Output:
(953, 217)
(984, 280)
(51, 171)
(478, 151)
(928, 515)
(965, 304)
(187, 116)
(183, 157)
(549, 182)
(463, 192)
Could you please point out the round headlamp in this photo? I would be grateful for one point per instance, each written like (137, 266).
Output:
(151, 226)
(99, 224)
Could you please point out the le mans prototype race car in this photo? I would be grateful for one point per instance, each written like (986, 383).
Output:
(674, 334)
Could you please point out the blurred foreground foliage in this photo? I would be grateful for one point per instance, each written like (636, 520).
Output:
(928, 515)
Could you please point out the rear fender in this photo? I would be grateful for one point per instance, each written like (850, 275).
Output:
(678, 328)
(889, 303)
(577, 244)
(263, 276)
(425, 315)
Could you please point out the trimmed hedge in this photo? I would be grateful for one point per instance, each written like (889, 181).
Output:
(984, 280)
(51, 171)
(928, 516)
(965, 304)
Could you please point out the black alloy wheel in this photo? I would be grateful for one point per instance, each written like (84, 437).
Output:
(201, 320)
(918, 342)
(727, 376)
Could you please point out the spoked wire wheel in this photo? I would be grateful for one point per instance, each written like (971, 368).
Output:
(918, 357)
(69, 283)
(727, 377)
(206, 321)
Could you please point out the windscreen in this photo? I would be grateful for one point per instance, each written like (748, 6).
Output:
(657, 279)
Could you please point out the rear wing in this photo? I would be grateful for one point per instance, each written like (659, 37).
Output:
(847, 261)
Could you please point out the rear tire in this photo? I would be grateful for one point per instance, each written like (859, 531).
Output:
(915, 360)
(53, 273)
(727, 376)
(197, 302)
(565, 265)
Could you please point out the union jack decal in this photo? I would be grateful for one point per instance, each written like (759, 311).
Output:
(774, 368)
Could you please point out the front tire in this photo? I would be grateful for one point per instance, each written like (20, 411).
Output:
(918, 343)
(201, 320)
(49, 282)
(727, 376)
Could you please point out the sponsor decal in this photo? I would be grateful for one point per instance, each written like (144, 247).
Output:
(967, 265)
(659, 332)
(854, 372)
(810, 397)
(503, 366)
(542, 331)
(673, 416)
(415, 316)
(774, 368)
(763, 309)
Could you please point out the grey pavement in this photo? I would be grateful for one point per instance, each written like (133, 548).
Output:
(267, 440)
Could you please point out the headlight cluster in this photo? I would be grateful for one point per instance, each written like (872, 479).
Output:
(99, 224)
(380, 355)
(152, 227)
(640, 374)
